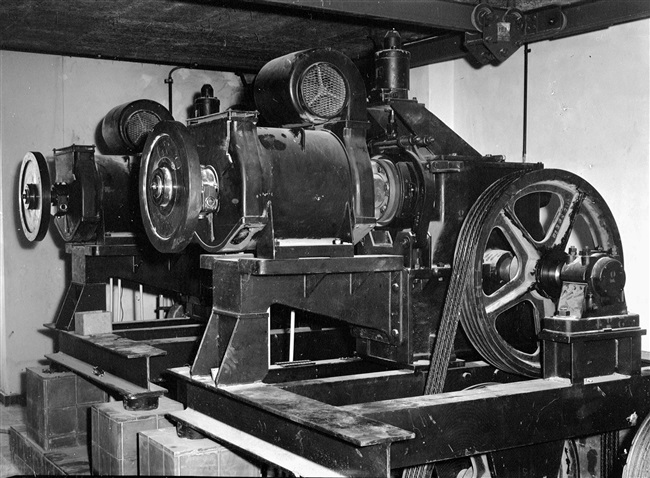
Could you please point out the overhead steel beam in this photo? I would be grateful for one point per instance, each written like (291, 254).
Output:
(580, 18)
(447, 15)
(437, 49)
(600, 14)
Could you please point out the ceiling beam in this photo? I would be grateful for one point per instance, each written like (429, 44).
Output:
(438, 14)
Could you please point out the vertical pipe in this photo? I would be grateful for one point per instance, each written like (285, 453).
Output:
(141, 302)
(525, 132)
(119, 300)
(292, 334)
(110, 298)
(159, 306)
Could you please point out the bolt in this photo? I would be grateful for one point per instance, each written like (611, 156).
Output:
(395, 332)
(396, 287)
(210, 202)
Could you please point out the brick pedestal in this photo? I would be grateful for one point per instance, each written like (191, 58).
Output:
(58, 407)
(162, 452)
(32, 460)
(114, 444)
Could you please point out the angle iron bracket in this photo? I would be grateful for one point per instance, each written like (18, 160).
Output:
(502, 31)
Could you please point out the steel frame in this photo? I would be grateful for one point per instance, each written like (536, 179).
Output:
(377, 436)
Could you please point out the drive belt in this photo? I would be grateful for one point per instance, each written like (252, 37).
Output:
(461, 272)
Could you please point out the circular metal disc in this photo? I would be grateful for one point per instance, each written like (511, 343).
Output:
(170, 187)
(536, 219)
(34, 196)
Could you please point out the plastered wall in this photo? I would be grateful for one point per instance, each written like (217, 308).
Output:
(51, 102)
(588, 112)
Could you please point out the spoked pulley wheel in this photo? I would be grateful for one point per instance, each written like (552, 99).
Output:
(34, 196)
(170, 187)
(516, 239)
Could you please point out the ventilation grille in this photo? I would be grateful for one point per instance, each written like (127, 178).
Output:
(323, 90)
(139, 125)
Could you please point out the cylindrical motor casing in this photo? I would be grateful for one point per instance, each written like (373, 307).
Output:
(311, 182)
(392, 72)
(207, 103)
(302, 178)
(125, 127)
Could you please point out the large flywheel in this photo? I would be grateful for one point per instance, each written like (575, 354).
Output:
(517, 239)
(170, 187)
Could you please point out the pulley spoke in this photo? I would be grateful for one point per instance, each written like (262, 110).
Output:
(540, 307)
(560, 229)
(523, 245)
(507, 297)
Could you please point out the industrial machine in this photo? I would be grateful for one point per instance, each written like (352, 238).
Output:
(346, 236)
(92, 200)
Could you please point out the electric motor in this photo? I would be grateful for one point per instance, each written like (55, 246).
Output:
(223, 180)
(125, 127)
(92, 198)
(231, 184)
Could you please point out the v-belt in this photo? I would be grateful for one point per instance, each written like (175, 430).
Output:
(461, 271)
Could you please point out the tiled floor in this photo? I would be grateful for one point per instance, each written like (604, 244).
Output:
(9, 416)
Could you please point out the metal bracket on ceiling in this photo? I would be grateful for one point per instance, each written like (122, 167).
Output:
(501, 31)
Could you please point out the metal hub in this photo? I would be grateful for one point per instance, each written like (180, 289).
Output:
(162, 187)
(548, 273)
(388, 190)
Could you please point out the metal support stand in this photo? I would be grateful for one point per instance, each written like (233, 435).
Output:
(369, 292)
